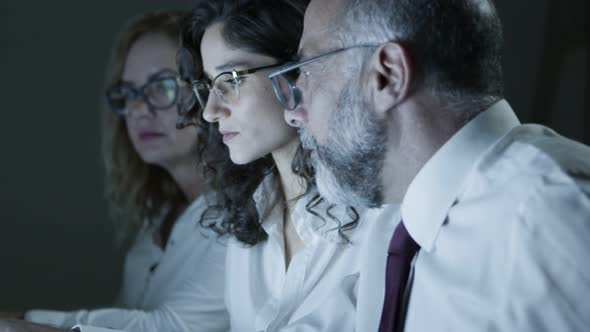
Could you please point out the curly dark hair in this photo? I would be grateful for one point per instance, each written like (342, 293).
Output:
(268, 27)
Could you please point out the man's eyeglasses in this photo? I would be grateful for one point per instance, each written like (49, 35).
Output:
(161, 92)
(283, 80)
(226, 85)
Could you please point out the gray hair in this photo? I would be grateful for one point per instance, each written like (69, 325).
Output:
(455, 45)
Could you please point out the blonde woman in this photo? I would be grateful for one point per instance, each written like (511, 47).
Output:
(174, 271)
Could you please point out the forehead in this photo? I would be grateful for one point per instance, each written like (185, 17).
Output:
(149, 54)
(218, 55)
(318, 29)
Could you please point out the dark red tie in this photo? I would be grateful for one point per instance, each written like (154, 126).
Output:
(402, 249)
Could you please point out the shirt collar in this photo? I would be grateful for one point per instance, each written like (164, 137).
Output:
(437, 185)
(266, 195)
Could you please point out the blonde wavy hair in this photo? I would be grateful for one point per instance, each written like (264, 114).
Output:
(136, 191)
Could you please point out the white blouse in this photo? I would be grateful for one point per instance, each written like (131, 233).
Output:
(177, 289)
(320, 289)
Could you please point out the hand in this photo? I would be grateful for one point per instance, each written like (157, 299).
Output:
(12, 325)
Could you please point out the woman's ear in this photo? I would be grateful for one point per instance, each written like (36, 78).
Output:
(389, 74)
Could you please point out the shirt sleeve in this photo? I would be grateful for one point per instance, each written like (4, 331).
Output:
(197, 306)
(549, 275)
(160, 319)
(83, 328)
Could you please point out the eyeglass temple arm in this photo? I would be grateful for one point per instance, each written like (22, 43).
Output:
(289, 67)
(253, 70)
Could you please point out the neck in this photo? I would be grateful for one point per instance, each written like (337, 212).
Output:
(187, 175)
(416, 131)
(291, 184)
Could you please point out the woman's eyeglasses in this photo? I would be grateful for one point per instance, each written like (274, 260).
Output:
(226, 85)
(160, 92)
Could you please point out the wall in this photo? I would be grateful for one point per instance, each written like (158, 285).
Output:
(56, 244)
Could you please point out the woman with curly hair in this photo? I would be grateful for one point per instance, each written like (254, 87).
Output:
(293, 262)
(173, 273)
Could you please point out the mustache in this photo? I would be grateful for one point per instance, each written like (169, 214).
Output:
(308, 142)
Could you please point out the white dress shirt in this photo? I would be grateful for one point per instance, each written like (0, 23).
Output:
(323, 285)
(177, 289)
(502, 215)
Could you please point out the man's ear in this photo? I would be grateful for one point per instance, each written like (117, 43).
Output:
(389, 74)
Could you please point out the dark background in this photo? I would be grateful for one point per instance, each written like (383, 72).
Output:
(56, 247)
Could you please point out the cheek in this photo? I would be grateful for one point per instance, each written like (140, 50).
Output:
(168, 119)
(273, 117)
(186, 139)
(131, 129)
(319, 115)
(320, 102)
(277, 131)
(266, 119)
(128, 126)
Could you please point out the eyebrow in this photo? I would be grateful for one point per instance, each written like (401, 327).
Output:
(161, 72)
(228, 66)
(233, 65)
(155, 75)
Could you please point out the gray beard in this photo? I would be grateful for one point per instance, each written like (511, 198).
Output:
(348, 167)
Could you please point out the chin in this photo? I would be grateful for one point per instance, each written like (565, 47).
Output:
(240, 159)
(331, 187)
(243, 157)
(153, 158)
